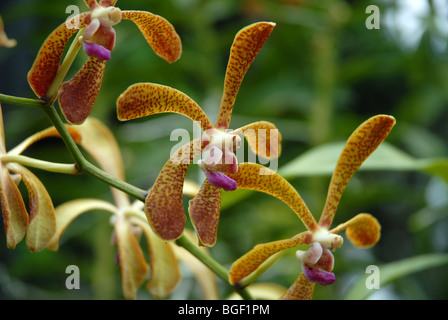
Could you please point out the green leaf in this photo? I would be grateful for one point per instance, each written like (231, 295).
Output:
(395, 270)
(322, 160)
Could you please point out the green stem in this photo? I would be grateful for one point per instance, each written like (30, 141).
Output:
(218, 269)
(41, 164)
(35, 103)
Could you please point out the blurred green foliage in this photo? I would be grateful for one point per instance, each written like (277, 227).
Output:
(320, 74)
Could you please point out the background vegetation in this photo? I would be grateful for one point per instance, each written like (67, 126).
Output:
(320, 74)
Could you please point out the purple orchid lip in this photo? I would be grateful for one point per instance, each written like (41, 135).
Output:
(317, 275)
(219, 179)
(95, 50)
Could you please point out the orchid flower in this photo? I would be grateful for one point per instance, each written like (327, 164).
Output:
(317, 262)
(129, 223)
(164, 206)
(78, 95)
(40, 224)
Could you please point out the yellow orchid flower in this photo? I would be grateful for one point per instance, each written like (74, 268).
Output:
(164, 206)
(78, 95)
(317, 262)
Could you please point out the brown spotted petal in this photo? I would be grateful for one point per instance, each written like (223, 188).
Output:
(48, 60)
(145, 99)
(15, 215)
(248, 263)
(301, 289)
(246, 46)
(42, 219)
(263, 138)
(133, 266)
(256, 177)
(360, 145)
(163, 205)
(78, 95)
(363, 230)
(204, 210)
(158, 32)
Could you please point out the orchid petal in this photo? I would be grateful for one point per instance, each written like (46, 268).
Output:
(263, 138)
(164, 267)
(108, 3)
(248, 263)
(69, 211)
(204, 210)
(158, 32)
(246, 45)
(92, 4)
(100, 143)
(78, 95)
(47, 133)
(163, 205)
(360, 145)
(47, 62)
(363, 230)
(42, 220)
(2, 133)
(15, 215)
(301, 289)
(4, 40)
(256, 177)
(133, 266)
(144, 99)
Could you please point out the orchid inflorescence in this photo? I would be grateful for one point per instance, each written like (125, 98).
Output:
(158, 213)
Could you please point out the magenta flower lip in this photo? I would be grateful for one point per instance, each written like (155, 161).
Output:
(219, 179)
(319, 276)
(97, 51)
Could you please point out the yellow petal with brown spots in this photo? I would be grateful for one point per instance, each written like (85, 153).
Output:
(360, 145)
(78, 95)
(204, 210)
(163, 205)
(46, 65)
(301, 289)
(263, 138)
(248, 263)
(256, 177)
(246, 45)
(158, 32)
(145, 99)
(363, 230)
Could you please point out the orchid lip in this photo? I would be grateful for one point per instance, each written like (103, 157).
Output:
(219, 179)
(317, 275)
(95, 50)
